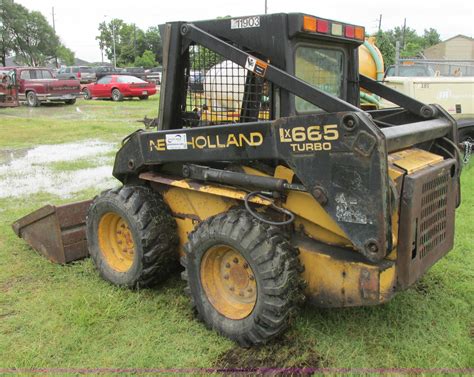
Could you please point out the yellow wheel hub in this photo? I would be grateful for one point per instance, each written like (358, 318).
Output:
(229, 282)
(116, 242)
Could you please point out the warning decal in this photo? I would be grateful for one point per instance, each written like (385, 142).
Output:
(256, 66)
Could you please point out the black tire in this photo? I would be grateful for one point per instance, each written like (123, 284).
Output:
(70, 101)
(143, 98)
(117, 96)
(32, 99)
(153, 231)
(87, 94)
(466, 139)
(273, 262)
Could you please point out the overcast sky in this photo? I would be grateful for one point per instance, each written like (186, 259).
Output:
(77, 20)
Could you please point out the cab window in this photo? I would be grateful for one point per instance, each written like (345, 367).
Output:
(321, 67)
(25, 75)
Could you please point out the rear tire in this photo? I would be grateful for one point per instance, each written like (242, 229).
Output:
(132, 236)
(32, 99)
(243, 277)
(117, 96)
(143, 98)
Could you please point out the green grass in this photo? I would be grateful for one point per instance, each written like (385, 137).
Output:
(66, 316)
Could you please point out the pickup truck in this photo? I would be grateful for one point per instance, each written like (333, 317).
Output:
(38, 85)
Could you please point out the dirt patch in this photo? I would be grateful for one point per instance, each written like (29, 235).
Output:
(14, 282)
(287, 355)
(425, 286)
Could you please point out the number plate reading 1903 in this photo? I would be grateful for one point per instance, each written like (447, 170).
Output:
(244, 23)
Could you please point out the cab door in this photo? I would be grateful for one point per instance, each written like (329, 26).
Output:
(101, 87)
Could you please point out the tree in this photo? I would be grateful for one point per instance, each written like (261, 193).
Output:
(386, 47)
(411, 44)
(130, 41)
(65, 55)
(28, 35)
(5, 34)
(430, 38)
(153, 42)
(147, 60)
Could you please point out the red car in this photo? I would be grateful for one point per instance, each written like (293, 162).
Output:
(118, 87)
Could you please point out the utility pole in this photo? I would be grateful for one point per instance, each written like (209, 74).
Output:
(397, 58)
(266, 6)
(380, 23)
(54, 28)
(403, 34)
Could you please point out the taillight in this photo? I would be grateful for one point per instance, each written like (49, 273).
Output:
(78, 75)
(350, 31)
(322, 26)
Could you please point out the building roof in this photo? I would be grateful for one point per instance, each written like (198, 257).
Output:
(458, 36)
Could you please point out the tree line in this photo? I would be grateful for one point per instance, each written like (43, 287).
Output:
(29, 37)
(411, 44)
(133, 46)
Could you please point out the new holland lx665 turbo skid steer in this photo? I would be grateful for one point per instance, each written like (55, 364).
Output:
(271, 184)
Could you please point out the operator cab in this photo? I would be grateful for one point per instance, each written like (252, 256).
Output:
(319, 51)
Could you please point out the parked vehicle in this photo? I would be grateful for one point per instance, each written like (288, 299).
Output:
(410, 71)
(8, 88)
(134, 69)
(118, 87)
(196, 81)
(84, 74)
(454, 94)
(38, 85)
(154, 74)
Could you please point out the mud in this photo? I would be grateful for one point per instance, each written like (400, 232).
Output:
(286, 356)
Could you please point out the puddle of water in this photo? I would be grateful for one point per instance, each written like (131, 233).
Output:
(26, 172)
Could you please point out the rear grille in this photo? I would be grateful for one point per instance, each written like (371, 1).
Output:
(433, 219)
(426, 230)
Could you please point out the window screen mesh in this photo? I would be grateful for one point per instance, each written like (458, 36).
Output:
(218, 91)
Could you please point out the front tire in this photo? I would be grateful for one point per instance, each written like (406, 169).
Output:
(32, 99)
(243, 277)
(87, 94)
(143, 98)
(117, 96)
(132, 236)
(70, 101)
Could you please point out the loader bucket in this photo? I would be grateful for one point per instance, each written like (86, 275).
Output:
(56, 232)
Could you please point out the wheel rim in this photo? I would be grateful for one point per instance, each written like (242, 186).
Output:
(229, 282)
(115, 95)
(87, 95)
(31, 98)
(116, 242)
